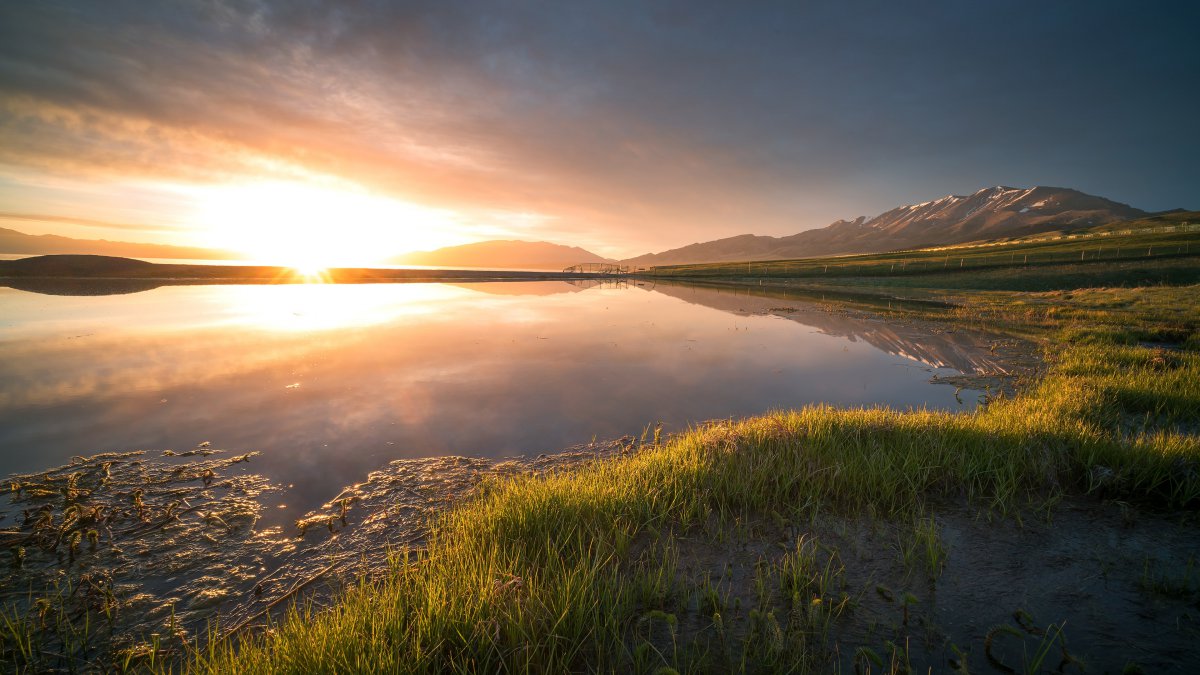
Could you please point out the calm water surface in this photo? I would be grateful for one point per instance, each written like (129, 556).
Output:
(331, 382)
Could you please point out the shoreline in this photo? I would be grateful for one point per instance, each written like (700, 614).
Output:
(284, 275)
(101, 275)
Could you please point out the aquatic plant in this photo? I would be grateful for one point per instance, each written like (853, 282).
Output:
(90, 533)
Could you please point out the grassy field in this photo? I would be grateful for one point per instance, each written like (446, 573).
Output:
(1138, 255)
(584, 571)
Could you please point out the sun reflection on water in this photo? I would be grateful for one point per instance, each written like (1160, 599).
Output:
(312, 274)
(318, 306)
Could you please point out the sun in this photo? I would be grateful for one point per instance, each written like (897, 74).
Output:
(311, 228)
(310, 271)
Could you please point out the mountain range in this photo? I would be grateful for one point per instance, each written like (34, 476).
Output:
(991, 213)
(12, 241)
(988, 214)
(539, 255)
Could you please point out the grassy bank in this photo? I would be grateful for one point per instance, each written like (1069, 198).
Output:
(1127, 257)
(598, 569)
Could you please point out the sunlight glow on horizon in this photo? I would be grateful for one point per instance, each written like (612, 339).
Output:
(314, 227)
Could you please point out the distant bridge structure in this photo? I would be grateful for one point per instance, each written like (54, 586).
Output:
(596, 268)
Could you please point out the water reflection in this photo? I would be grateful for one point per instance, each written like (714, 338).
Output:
(81, 286)
(525, 287)
(331, 382)
(319, 307)
(962, 350)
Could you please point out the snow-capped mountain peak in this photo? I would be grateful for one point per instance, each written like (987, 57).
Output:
(989, 213)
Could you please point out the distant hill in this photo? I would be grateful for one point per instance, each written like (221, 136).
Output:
(12, 241)
(72, 266)
(991, 213)
(511, 254)
(1162, 219)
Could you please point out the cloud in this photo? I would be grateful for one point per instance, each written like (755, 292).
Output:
(638, 125)
(75, 220)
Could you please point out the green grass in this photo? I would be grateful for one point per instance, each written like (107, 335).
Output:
(1142, 257)
(580, 571)
(1159, 222)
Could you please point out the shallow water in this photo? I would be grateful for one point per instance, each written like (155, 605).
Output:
(360, 399)
(167, 543)
(332, 382)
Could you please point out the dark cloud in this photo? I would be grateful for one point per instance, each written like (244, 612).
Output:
(655, 124)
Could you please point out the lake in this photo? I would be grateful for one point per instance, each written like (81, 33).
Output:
(331, 382)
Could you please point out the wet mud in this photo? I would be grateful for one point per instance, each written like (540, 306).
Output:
(129, 545)
(1098, 587)
(117, 555)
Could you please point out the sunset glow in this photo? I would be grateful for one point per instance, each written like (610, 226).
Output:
(317, 134)
(314, 227)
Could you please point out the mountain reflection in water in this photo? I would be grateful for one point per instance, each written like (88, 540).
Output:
(966, 351)
(332, 382)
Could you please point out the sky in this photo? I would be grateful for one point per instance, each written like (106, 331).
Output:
(361, 129)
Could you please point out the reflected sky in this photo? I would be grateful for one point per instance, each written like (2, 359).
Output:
(331, 382)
